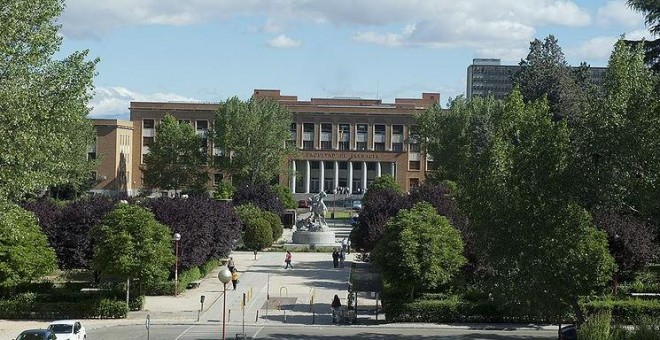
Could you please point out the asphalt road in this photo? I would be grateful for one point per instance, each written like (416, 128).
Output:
(320, 332)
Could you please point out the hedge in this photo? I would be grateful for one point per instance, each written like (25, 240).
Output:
(453, 309)
(28, 306)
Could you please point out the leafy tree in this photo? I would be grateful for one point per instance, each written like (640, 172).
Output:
(261, 195)
(630, 240)
(224, 191)
(377, 208)
(651, 10)
(252, 218)
(275, 224)
(419, 250)
(285, 196)
(131, 244)
(383, 182)
(617, 163)
(546, 74)
(24, 251)
(177, 158)
(208, 228)
(45, 130)
(251, 134)
(542, 247)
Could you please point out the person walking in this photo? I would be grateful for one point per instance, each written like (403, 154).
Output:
(234, 278)
(287, 260)
(335, 258)
(342, 256)
(344, 244)
(335, 306)
(230, 264)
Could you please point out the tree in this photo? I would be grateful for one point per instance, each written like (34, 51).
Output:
(24, 251)
(43, 102)
(383, 182)
(377, 208)
(261, 195)
(545, 73)
(419, 250)
(208, 228)
(251, 135)
(253, 219)
(177, 158)
(131, 244)
(651, 10)
(541, 245)
(285, 196)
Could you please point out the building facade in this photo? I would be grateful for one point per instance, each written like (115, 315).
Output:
(342, 143)
(488, 77)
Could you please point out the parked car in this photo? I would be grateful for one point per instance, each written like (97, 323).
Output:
(303, 204)
(68, 330)
(37, 334)
(357, 205)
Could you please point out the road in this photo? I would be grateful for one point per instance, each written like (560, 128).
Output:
(312, 332)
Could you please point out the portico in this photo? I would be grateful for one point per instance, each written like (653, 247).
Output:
(311, 176)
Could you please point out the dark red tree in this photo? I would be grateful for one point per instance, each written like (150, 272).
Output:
(261, 195)
(208, 228)
(377, 208)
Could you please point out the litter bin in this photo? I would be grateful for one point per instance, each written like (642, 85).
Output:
(289, 218)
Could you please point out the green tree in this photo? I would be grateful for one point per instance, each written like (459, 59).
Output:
(251, 135)
(260, 227)
(177, 158)
(285, 196)
(385, 182)
(131, 244)
(541, 245)
(45, 130)
(24, 251)
(544, 73)
(651, 10)
(419, 250)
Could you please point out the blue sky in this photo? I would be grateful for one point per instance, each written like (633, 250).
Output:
(210, 50)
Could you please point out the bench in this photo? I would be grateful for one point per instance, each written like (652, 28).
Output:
(194, 284)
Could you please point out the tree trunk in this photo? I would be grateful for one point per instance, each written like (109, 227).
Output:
(578, 312)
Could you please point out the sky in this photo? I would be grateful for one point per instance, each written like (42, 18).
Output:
(212, 50)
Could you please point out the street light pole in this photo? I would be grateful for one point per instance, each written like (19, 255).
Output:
(176, 238)
(224, 276)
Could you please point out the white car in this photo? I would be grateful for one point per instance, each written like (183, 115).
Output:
(68, 330)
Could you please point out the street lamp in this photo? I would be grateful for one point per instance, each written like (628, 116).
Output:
(224, 276)
(176, 238)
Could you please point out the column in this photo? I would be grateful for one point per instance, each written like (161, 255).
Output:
(364, 177)
(321, 176)
(293, 176)
(308, 175)
(350, 177)
(378, 174)
(393, 169)
(336, 179)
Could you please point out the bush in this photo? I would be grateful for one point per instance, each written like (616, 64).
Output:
(258, 234)
(627, 311)
(111, 309)
(29, 306)
(597, 327)
(275, 224)
(208, 266)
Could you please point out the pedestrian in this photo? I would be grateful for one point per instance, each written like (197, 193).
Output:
(287, 260)
(230, 264)
(344, 244)
(342, 256)
(234, 277)
(348, 246)
(335, 258)
(335, 306)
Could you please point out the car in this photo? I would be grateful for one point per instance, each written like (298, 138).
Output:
(37, 334)
(357, 205)
(68, 330)
(303, 204)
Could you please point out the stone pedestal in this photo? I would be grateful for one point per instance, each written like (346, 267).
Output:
(313, 237)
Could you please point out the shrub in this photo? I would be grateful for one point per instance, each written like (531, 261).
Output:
(111, 309)
(208, 266)
(626, 311)
(258, 234)
(275, 224)
(597, 327)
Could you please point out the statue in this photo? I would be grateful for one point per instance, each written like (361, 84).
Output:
(315, 221)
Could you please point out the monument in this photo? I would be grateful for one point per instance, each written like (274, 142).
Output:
(312, 228)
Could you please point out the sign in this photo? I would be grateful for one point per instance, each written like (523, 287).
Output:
(342, 155)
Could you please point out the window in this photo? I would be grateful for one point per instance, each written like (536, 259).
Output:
(379, 137)
(291, 142)
(357, 166)
(148, 124)
(202, 125)
(344, 132)
(397, 138)
(361, 137)
(314, 164)
(414, 139)
(308, 136)
(326, 136)
(371, 166)
(147, 141)
(413, 183)
(343, 165)
(217, 179)
(414, 165)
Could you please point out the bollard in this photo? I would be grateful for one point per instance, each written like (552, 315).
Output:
(257, 318)
(229, 315)
(284, 311)
(313, 318)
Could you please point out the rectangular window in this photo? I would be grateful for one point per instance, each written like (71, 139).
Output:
(308, 136)
(413, 183)
(147, 141)
(291, 142)
(371, 166)
(202, 125)
(357, 166)
(308, 144)
(217, 179)
(344, 136)
(361, 137)
(148, 124)
(326, 136)
(397, 147)
(414, 165)
(343, 165)
(314, 164)
(329, 165)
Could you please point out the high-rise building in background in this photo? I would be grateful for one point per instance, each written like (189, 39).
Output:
(488, 77)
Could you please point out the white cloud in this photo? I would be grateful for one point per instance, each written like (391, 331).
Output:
(595, 49)
(618, 12)
(114, 101)
(437, 23)
(283, 41)
(639, 35)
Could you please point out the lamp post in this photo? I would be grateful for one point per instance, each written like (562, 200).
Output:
(176, 238)
(224, 276)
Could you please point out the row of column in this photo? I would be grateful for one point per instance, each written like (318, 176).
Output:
(307, 175)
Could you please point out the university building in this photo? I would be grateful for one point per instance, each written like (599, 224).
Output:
(342, 142)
